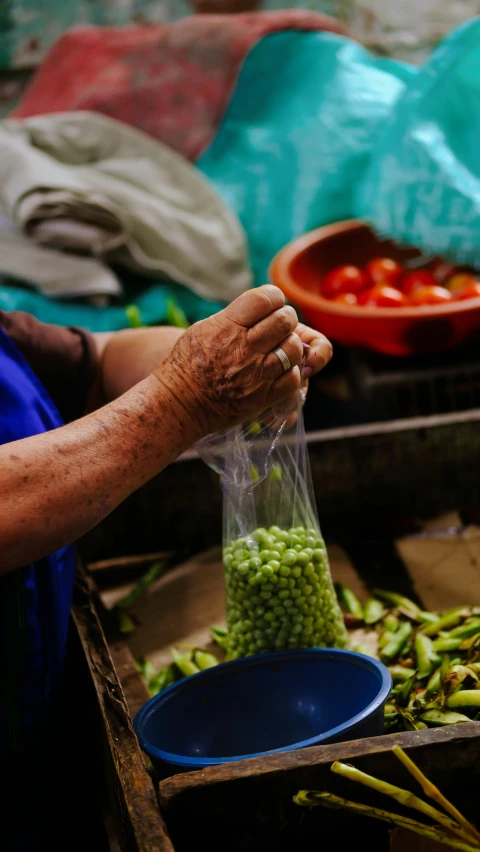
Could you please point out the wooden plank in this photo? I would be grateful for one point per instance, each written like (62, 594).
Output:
(261, 790)
(128, 561)
(134, 803)
(132, 683)
(401, 840)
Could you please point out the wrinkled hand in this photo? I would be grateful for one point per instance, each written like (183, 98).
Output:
(223, 370)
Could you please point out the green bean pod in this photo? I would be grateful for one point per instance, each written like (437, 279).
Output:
(434, 683)
(184, 663)
(447, 643)
(397, 601)
(391, 622)
(447, 620)
(400, 673)
(464, 698)
(204, 660)
(425, 655)
(469, 628)
(373, 611)
(458, 676)
(438, 718)
(397, 643)
(349, 601)
(405, 691)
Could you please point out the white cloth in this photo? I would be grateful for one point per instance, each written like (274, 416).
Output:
(88, 184)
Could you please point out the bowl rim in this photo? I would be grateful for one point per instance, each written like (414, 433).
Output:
(351, 657)
(280, 266)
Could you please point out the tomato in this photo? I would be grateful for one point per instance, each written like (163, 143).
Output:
(343, 279)
(430, 295)
(418, 279)
(383, 270)
(470, 291)
(346, 299)
(382, 296)
(460, 281)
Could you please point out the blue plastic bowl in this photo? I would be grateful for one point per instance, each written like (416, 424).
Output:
(262, 705)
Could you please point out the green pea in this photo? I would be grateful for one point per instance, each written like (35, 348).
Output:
(289, 557)
(282, 582)
(308, 570)
(239, 555)
(274, 531)
(284, 570)
(311, 541)
(296, 572)
(274, 564)
(318, 555)
(294, 540)
(267, 570)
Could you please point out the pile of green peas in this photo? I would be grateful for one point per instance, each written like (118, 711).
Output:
(280, 594)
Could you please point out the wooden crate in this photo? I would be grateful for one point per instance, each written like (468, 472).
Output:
(363, 479)
(248, 804)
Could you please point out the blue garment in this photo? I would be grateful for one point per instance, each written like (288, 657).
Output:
(35, 600)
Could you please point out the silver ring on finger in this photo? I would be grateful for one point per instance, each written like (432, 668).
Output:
(284, 359)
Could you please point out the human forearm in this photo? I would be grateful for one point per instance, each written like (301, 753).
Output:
(126, 357)
(55, 487)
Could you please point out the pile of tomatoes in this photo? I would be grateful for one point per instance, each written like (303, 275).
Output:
(384, 283)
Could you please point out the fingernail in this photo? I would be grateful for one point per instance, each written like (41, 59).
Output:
(307, 371)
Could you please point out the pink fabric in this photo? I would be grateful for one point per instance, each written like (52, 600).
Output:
(173, 82)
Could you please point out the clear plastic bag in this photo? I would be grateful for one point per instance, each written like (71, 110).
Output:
(279, 591)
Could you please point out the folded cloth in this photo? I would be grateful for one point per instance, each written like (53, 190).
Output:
(86, 183)
(173, 81)
(53, 273)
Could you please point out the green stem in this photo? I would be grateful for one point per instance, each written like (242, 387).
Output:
(310, 798)
(404, 797)
(434, 793)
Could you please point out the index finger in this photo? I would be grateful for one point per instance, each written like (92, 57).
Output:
(254, 305)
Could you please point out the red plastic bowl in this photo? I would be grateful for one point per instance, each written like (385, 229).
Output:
(298, 270)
